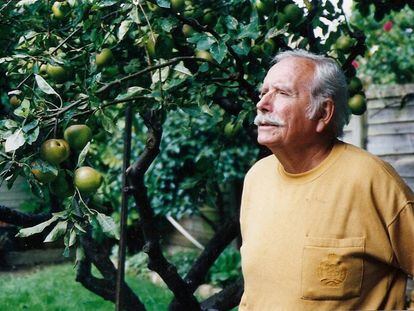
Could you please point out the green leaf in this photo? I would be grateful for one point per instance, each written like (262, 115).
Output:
(167, 24)
(164, 3)
(123, 29)
(32, 136)
(218, 51)
(82, 154)
(250, 31)
(45, 167)
(23, 3)
(242, 48)
(72, 238)
(181, 68)
(231, 22)
(202, 40)
(57, 231)
(79, 227)
(30, 126)
(108, 225)
(25, 232)
(107, 123)
(80, 254)
(44, 86)
(14, 141)
(23, 110)
(131, 91)
(66, 252)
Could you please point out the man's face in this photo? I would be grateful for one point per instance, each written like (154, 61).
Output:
(285, 95)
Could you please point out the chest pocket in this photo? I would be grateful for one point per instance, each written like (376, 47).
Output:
(332, 269)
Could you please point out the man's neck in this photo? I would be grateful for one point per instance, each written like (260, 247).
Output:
(301, 159)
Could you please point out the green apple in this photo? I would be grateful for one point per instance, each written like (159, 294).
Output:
(78, 136)
(263, 7)
(177, 5)
(104, 58)
(60, 9)
(187, 30)
(355, 85)
(15, 101)
(87, 179)
(56, 72)
(43, 70)
(357, 104)
(54, 151)
(204, 55)
(209, 18)
(344, 43)
(153, 7)
(292, 13)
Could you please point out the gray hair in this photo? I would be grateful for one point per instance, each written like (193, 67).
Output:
(329, 82)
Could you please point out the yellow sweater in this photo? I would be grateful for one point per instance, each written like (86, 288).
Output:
(338, 237)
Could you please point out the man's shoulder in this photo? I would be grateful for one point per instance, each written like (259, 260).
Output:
(263, 166)
(372, 166)
(367, 160)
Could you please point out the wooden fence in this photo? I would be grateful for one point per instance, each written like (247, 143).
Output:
(387, 129)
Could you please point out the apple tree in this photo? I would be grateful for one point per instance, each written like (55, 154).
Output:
(105, 101)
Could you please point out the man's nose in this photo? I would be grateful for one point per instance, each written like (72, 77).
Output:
(264, 104)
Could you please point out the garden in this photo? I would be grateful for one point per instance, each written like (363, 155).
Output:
(128, 123)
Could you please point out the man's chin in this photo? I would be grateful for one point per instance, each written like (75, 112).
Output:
(266, 141)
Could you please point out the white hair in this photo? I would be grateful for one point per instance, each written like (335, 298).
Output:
(329, 82)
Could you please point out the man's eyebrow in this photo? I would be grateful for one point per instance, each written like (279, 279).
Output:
(283, 87)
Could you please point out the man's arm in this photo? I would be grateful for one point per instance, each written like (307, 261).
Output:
(401, 231)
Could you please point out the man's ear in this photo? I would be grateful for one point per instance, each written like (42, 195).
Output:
(325, 115)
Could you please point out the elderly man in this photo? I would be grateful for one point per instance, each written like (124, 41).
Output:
(325, 225)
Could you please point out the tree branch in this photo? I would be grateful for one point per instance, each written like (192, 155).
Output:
(172, 61)
(17, 218)
(135, 173)
(106, 288)
(227, 299)
(221, 239)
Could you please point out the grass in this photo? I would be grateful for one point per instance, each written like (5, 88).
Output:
(53, 288)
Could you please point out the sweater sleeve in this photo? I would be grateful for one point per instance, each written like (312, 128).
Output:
(401, 232)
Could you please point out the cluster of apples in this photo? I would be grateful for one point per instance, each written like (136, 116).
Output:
(55, 151)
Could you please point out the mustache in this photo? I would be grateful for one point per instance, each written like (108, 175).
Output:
(268, 120)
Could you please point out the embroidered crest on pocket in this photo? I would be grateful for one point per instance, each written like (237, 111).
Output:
(331, 271)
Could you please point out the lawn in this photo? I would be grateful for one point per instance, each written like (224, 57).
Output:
(53, 288)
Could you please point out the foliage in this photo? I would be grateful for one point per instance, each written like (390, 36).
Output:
(201, 82)
(390, 41)
(198, 156)
(227, 268)
(54, 288)
(137, 264)
(184, 260)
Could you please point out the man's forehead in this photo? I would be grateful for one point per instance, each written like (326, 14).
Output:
(287, 71)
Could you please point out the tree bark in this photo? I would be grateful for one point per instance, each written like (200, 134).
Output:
(17, 218)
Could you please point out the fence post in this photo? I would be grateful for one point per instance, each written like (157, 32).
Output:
(124, 208)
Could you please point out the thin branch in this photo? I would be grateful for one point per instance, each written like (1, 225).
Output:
(152, 68)
(6, 5)
(64, 41)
